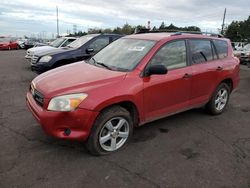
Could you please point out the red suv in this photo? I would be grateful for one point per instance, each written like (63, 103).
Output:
(135, 80)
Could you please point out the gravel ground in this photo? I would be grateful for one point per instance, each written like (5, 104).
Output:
(190, 149)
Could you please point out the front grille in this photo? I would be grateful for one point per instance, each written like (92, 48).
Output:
(34, 59)
(38, 97)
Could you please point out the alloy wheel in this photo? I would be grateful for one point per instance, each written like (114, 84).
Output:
(114, 134)
(221, 99)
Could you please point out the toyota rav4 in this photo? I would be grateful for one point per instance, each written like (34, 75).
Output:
(135, 80)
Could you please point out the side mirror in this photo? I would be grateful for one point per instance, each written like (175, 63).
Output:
(155, 69)
(89, 50)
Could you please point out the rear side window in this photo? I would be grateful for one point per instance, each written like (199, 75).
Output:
(221, 48)
(201, 51)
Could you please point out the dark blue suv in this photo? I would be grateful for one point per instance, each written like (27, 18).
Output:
(81, 49)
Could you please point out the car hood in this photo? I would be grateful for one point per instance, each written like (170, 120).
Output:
(75, 78)
(40, 48)
(50, 51)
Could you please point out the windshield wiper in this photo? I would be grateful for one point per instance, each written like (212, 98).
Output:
(102, 64)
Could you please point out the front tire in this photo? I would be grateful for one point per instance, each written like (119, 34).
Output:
(111, 131)
(219, 100)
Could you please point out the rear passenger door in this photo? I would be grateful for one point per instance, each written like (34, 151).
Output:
(205, 70)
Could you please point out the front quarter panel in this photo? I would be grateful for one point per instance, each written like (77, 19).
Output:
(129, 90)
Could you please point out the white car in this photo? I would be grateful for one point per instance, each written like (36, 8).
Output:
(58, 43)
(243, 54)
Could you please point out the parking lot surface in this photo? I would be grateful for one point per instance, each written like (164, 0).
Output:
(190, 149)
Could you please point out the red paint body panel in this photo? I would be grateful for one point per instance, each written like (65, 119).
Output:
(7, 45)
(154, 97)
(54, 123)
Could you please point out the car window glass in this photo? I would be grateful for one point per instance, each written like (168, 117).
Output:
(99, 43)
(124, 54)
(221, 47)
(80, 41)
(172, 55)
(214, 52)
(66, 43)
(247, 47)
(201, 51)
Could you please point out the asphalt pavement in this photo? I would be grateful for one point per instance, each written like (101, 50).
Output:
(190, 149)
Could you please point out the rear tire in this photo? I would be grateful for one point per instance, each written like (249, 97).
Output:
(111, 131)
(219, 100)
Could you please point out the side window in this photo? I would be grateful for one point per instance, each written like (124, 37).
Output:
(201, 51)
(221, 48)
(172, 55)
(99, 43)
(67, 42)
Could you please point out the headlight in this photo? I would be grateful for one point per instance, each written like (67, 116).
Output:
(66, 103)
(45, 59)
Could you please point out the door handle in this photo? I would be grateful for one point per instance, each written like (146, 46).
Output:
(187, 76)
(219, 68)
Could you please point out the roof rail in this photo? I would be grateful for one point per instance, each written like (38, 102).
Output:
(199, 33)
(177, 32)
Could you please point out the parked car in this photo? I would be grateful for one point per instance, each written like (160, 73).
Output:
(21, 42)
(238, 45)
(29, 43)
(58, 43)
(134, 80)
(243, 54)
(8, 44)
(81, 49)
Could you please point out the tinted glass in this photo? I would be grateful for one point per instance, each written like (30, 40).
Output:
(247, 47)
(56, 43)
(221, 47)
(67, 42)
(124, 54)
(201, 51)
(172, 55)
(81, 41)
(99, 44)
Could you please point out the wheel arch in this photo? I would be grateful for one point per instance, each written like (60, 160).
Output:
(229, 82)
(129, 106)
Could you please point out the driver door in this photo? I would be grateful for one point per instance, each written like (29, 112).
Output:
(169, 93)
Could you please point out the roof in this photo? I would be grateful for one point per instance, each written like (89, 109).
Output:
(163, 35)
(69, 37)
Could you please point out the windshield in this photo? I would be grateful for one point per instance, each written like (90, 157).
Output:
(56, 43)
(123, 54)
(79, 42)
(247, 47)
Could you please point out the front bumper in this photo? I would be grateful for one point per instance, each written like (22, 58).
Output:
(39, 68)
(4, 47)
(79, 122)
(28, 57)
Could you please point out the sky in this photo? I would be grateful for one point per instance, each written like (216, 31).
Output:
(38, 18)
